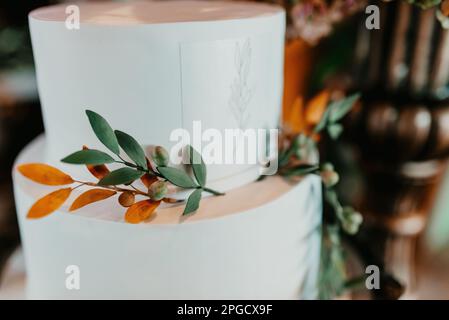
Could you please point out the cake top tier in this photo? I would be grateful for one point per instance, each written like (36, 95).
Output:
(153, 12)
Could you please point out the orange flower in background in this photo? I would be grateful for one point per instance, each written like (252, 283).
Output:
(303, 117)
(445, 8)
(298, 58)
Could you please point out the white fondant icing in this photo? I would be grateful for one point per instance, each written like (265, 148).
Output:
(151, 12)
(152, 77)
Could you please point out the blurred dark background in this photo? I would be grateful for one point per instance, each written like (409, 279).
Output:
(20, 117)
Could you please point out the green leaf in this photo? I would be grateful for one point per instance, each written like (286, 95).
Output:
(193, 202)
(302, 170)
(425, 4)
(340, 108)
(350, 220)
(103, 131)
(323, 122)
(335, 130)
(198, 166)
(285, 155)
(132, 148)
(332, 198)
(89, 156)
(120, 176)
(177, 177)
(332, 274)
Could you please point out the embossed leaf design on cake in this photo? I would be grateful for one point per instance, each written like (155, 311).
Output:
(241, 92)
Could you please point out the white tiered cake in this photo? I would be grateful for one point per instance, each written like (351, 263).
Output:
(149, 68)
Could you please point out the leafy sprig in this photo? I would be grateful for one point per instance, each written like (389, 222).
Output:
(155, 174)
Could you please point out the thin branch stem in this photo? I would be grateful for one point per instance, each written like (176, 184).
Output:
(92, 184)
(214, 192)
(148, 170)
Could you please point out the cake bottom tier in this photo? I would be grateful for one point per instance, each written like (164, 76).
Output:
(260, 241)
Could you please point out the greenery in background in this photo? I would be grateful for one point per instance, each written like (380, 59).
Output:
(437, 236)
(15, 50)
(15, 43)
(335, 53)
(425, 4)
(441, 13)
(294, 161)
(332, 277)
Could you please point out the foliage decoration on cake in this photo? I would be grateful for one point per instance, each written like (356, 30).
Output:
(305, 127)
(154, 172)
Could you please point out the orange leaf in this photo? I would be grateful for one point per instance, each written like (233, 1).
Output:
(44, 174)
(148, 179)
(315, 108)
(140, 211)
(91, 196)
(98, 171)
(445, 8)
(48, 204)
(297, 68)
(295, 122)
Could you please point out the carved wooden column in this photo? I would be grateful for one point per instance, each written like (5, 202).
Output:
(402, 131)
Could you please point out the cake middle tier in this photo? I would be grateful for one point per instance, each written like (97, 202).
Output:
(150, 78)
(260, 241)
